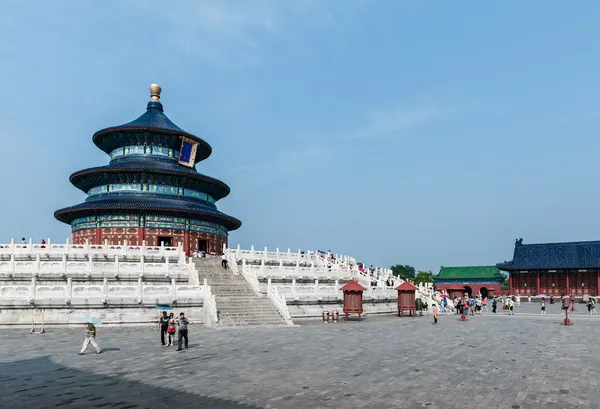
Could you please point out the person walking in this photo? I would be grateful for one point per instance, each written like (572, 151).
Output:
(224, 261)
(511, 307)
(436, 312)
(163, 326)
(90, 338)
(484, 304)
(182, 324)
(543, 306)
(494, 305)
(529, 300)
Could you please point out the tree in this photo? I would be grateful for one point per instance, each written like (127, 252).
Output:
(423, 277)
(405, 272)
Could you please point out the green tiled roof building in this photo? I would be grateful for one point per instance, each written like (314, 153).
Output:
(484, 280)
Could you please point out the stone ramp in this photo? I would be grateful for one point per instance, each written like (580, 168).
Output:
(237, 303)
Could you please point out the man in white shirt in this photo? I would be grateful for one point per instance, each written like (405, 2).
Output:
(224, 261)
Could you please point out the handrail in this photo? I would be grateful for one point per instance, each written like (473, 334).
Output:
(209, 303)
(251, 278)
(278, 301)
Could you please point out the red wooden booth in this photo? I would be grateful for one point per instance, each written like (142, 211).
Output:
(456, 290)
(353, 298)
(406, 299)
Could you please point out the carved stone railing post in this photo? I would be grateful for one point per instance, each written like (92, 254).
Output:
(69, 291)
(252, 251)
(32, 290)
(140, 290)
(142, 263)
(297, 266)
(294, 287)
(116, 264)
(37, 263)
(262, 266)
(12, 260)
(167, 265)
(174, 289)
(63, 264)
(105, 290)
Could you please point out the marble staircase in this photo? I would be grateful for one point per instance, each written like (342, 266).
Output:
(237, 303)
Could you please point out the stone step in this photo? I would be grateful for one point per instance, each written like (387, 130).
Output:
(237, 303)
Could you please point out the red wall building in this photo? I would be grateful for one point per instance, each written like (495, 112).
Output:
(558, 269)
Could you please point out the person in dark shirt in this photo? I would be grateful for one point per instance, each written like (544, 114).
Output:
(163, 324)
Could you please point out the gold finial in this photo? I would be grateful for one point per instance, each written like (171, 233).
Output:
(155, 92)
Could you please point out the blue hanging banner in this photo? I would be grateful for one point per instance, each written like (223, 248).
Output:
(187, 153)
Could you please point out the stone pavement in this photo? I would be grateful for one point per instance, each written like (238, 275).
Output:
(500, 361)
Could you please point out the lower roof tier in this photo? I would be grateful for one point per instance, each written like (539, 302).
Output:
(149, 171)
(143, 205)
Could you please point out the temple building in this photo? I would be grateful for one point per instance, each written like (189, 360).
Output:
(484, 280)
(150, 191)
(554, 268)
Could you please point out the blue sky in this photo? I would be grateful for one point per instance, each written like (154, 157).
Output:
(414, 132)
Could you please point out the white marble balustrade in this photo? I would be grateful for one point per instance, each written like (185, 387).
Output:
(318, 291)
(75, 268)
(102, 293)
(109, 250)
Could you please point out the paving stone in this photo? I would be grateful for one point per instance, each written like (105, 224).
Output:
(492, 361)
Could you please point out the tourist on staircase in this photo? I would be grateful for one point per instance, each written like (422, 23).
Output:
(224, 261)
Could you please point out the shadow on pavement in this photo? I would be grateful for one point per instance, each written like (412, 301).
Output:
(42, 383)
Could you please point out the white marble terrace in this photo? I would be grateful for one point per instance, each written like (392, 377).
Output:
(83, 276)
(310, 277)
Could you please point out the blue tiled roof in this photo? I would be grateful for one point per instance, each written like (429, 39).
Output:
(571, 255)
(91, 177)
(133, 202)
(153, 119)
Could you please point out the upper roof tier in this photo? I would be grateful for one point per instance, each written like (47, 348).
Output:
(153, 127)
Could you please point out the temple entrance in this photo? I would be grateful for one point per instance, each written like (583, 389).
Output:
(203, 245)
(165, 240)
(468, 290)
(484, 292)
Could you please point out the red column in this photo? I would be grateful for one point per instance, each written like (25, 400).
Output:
(511, 283)
(186, 242)
(597, 283)
(141, 235)
(567, 283)
(538, 286)
(98, 235)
